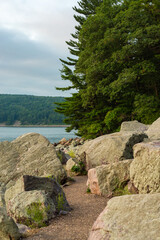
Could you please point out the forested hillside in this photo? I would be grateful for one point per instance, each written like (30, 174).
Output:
(29, 110)
(115, 67)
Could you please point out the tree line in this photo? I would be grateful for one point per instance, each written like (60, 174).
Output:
(29, 110)
(114, 65)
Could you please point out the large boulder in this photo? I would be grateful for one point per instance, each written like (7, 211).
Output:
(130, 217)
(133, 126)
(109, 148)
(110, 178)
(30, 154)
(153, 131)
(8, 228)
(145, 168)
(30, 183)
(32, 208)
(35, 196)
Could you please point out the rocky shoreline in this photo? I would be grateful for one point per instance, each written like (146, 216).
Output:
(123, 166)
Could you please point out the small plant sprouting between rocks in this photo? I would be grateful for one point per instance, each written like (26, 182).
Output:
(37, 215)
(58, 179)
(71, 154)
(79, 168)
(75, 168)
(88, 190)
(60, 202)
(51, 177)
(122, 189)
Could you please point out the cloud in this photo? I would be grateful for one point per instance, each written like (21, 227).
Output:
(33, 35)
(48, 21)
(27, 67)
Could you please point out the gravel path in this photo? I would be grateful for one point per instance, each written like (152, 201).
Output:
(77, 224)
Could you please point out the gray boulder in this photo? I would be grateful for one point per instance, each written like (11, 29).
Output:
(153, 131)
(30, 154)
(130, 217)
(32, 208)
(108, 179)
(8, 228)
(133, 126)
(35, 196)
(109, 148)
(30, 183)
(145, 168)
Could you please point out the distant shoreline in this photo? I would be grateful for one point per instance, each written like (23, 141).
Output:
(34, 126)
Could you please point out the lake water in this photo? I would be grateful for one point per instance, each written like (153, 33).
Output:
(53, 134)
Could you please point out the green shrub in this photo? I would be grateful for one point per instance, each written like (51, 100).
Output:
(122, 189)
(79, 168)
(76, 168)
(88, 190)
(37, 215)
(71, 154)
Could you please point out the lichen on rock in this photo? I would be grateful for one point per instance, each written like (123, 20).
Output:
(145, 168)
(109, 179)
(129, 217)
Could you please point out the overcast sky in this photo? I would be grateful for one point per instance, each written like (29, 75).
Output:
(32, 39)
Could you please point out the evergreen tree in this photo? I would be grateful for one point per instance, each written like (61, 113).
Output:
(29, 110)
(118, 66)
(72, 107)
(121, 61)
(86, 7)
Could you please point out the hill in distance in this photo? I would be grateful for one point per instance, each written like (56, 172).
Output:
(29, 110)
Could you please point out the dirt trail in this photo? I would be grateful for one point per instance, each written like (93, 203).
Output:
(77, 224)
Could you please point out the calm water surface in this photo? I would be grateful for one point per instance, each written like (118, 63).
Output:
(53, 134)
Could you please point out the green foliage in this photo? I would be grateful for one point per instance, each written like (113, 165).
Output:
(76, 168)
(117, 71)
(88, 190)
(121, 189)
(71, 154)
(60, 202)
(72, 107)
(146, 108)
(51, 176)
(29, 110)
(114, 118)
(84, 8)
(37, 215)
(79, 168)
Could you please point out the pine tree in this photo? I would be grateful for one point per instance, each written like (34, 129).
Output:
(86, 7)
(116, 72)
(120, 61)
(72, 107)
